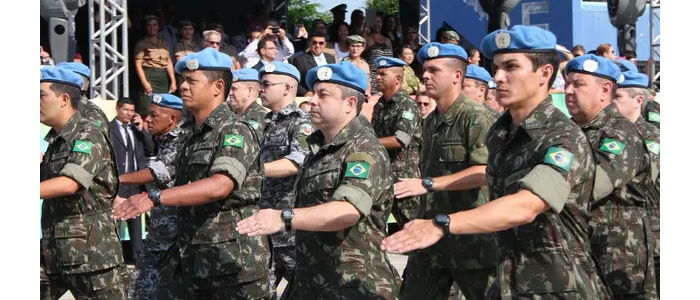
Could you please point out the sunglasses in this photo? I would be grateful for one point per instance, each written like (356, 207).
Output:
(318, 43)
(266, 84)
(213, 43)
(421, 104)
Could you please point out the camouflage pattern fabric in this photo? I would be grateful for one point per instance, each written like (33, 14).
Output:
(104, 284)
(94, 113)
(652, 113)
(549, 258)
(255, 116)
(400, 117)
(79, 236)
(346, 264)
(652, 141)
(622, 242)
(153, 266)
(411, 84)
(213, 254)
(495, 114)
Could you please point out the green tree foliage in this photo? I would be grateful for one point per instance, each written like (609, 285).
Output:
(385, 6)
(304, 12)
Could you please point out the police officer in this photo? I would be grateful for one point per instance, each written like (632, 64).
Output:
(630, 97)
(540, 177)
(243, 99)
(283, 150)
(453, 149)
(154, 266)
(343, 198)
(621, 240)
(80, 248)
(476, 86)
(397, 123)
(87, 108)
(218, 182)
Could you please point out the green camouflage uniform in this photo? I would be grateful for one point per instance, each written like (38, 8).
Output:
(411, 84)
(345, 264)
(255, 116)
(80, 248)
(216, 261)
(453, 142)
(549, 258)
(400, 117)
(652, 113)
(90, 111)
(622, 242)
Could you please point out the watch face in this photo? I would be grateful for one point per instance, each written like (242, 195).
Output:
(287, 214)
(442, 218)
(153, 193)
(427, 182)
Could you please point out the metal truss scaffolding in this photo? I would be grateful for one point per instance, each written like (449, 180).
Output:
(109, 64)
(655, 41)
(424, 23)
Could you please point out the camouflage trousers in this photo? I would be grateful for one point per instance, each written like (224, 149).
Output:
(283, 263)
(425, 280)
(306, 292)
(104, 284)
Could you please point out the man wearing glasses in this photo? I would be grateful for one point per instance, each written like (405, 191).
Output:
(283, 150)
(267, 51)
(425, 104)
(313, 58)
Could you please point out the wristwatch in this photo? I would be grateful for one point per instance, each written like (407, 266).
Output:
(154, 195)
(428, 184)
(287, 215)
(443, 221)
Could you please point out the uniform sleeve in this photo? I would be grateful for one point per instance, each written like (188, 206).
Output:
(616, 161)
(287, 48)
(478, 128)
(236, 153)
(298, 148)
(359, 176)
(408, 124)
(163, 169)
(84, 160)
(138, 50)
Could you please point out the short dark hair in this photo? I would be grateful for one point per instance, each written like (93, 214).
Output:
(545, 58)
(317, 21)
(346, 92)
(123, 101)
(578, 48)
(214, 75)
(629, 54)
(72, 92)
(265, 39)
(471, 52)
(458, 64)
(317, 34)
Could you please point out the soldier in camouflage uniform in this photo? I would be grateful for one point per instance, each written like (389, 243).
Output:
(453, 148)
(154, 266)
(283, 151)
(476, 86)
(621, 240)
(397, 123)
(540, 178)
(80, 248)
(87, 108)
(218, 182)
(630, 97)
(242, 99)
(652, 113)
(343, 198)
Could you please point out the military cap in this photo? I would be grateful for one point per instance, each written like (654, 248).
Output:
(492, 84)
(595, 65)
(340, 8)
(207, 59)
(62, 76)
(451, 35)
(76, 67)
(281, 68)
(343, 73)
(166, 100)
(356, 39)
(437, 50)
(522, 39)
(631, 77)
(478, 73)
(184, 23)
(388, 62)
(247, 74)
(150, 17)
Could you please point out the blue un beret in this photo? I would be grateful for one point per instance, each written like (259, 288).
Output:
(594, 65)
(207, 59)
(631, 77)
(388, 62)
(492, 84)
(343, 73)
(76, 67)
(166, 100)
(247, 74)
(280, 68)
(478, 73)
(62, 76)
(436, 50)
(518, 39)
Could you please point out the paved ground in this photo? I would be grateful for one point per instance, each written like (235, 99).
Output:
(398, 260)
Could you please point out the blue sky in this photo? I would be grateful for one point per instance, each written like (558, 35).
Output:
(352, 5)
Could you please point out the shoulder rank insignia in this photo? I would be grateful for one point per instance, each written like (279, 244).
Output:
(357, 169)
(559, 157)
(233, 140)
(82, 147)
(612, 146)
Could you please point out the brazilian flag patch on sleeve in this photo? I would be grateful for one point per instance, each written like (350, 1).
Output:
(357, 169)
(233, 140)
(407, 115)
(612, 146)
(82, 147)
(254, 124)
(559, 157)
(653, 147)
(654, 117)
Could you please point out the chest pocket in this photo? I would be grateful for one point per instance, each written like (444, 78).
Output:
(453, 154)
(201, 157)
(57, 162)
(274, 149)
(321, 178)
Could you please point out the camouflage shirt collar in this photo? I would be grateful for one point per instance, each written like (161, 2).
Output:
(449, 117)
(602, 117)
(394, 98)
(219, 113)
(315, 140)
(175, 132)
(287, 110)
(538, 116)
(250, 108)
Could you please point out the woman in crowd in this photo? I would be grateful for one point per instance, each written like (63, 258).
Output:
(153, 65)
(339, 41)
(411, 84)
(377, 45)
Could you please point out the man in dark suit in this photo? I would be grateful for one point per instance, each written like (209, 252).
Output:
(267, 49)
(313, 58)
(130, 157)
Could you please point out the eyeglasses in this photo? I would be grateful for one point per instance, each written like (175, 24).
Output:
(270, 48)
(266, 84)
(421, 104)
(317, 43)
(213, 43)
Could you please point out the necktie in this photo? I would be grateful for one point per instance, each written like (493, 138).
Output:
(129, 151)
